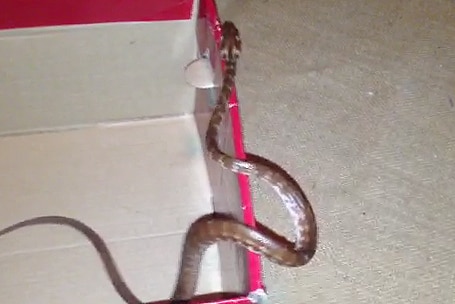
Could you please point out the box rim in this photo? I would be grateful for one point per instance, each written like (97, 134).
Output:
(206, 9)
(18, 14)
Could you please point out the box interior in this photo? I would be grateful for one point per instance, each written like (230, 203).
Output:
(98, 123)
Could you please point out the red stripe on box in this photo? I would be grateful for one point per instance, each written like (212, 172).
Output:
(254, 262)
(33, 13)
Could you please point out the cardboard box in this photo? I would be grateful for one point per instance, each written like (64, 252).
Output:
(98, 123)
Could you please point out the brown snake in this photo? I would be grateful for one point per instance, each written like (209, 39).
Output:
(212, 228)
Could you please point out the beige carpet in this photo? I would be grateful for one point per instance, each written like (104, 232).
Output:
(356, 100)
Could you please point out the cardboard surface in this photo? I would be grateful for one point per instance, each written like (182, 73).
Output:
(98, 124)
(59, 77)
(139, 189)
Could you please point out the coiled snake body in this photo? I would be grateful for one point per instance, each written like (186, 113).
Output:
(211, 228)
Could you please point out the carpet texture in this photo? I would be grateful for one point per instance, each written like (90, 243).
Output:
(356, 100)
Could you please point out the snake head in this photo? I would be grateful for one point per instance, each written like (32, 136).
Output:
(231, 45)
